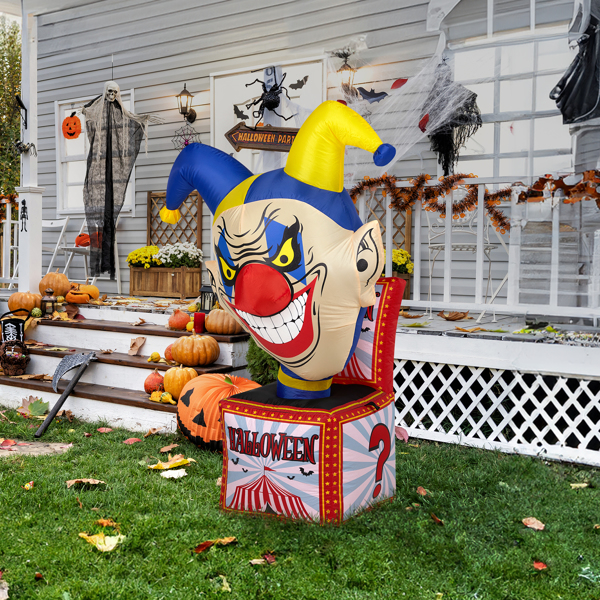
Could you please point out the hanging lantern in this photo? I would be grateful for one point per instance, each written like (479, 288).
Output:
(184, 101)
(346, 77)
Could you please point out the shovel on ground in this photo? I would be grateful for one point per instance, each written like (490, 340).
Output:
(66, 364)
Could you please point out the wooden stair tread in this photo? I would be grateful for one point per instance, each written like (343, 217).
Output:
(124, 360)
(137, 330)
(92, 391)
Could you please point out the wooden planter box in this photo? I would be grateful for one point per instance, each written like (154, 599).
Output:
(406, 277)
(166, 283)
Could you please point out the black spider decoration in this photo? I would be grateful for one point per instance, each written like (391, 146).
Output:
(269, 99)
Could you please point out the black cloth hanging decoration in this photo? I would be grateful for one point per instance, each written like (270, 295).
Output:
(449, 137)
(577, 94)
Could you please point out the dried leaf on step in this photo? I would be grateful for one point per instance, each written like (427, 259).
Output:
(152, 431)
(31, 323)
(72, 482)
(174, 474)
(401, 433)
(177, 461)
(578, 486)
(56, 349)
(108, 523)
(66, 414)
(104, 429)
(406, 315)
(419, 324)
(454, 315)
(135, 345)
(34, 343)
(472, 330)
(72, 310)
(104, 297)
(539, 566)
(169, 448)
(37, 377)
(102, 542)
(131, 441)
(106, 351)
(533, 523)
(62, 316)
(140, 321)
(437, 520)
(421, 491)
(33, 407)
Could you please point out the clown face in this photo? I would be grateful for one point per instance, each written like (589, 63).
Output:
(295, 280)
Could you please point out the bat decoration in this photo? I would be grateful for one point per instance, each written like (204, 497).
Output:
(235, 461)
(292, 477)
(240, 114)
(371, 96)
(300, 83)
(245, 470)
(365, 330)
(306, 473)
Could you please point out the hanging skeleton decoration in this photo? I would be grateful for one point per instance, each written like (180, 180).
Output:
(450, 136)
(115, 136)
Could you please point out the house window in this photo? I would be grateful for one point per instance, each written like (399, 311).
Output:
(522, 133)
(71, 159)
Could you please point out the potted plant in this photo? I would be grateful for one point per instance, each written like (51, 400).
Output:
(173, 271)
(402, 267)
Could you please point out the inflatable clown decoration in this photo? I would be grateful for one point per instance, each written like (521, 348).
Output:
(295, 265)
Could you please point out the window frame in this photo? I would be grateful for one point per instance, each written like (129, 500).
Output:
(61, 159)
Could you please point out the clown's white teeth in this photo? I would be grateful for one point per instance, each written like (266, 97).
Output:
(281, 327)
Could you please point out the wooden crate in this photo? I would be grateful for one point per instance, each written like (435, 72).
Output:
(406, 277)
(165, 283)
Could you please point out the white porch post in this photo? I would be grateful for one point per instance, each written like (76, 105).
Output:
(30, 239)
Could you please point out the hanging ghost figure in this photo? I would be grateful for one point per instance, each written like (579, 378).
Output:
(295, 265)
(115, 136)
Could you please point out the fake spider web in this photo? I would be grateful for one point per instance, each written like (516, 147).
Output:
(184, 137)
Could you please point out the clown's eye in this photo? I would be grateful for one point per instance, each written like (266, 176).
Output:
(286, 255)
(227, 271)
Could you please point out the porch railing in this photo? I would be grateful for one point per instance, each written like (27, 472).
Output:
(9, 235)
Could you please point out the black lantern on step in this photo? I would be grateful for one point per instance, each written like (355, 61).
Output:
(184, 101)
(207, 298)
(48, 303)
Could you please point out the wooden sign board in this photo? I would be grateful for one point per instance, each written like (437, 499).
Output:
(276, 139)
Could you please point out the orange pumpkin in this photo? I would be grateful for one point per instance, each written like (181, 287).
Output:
(198, 411)
(91, 290)
(77, 297)
(82, 240)
(71, 126)
(176, 378)
(220, 321)
(154, 382)
(178, 320)
(195, 350)
(25, 300)
(168, 355)
(58, 282)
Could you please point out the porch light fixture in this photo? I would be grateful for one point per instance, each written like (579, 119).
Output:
(184, 101)
(207, 298)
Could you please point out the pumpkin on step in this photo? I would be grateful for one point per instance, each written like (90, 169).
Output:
(220, 321)
(198, 410)
(176, 378)
(77, 297)
(195, 350)
(58, 282)
(168, 355)
(25, 300)
(91, 290)
(154, 382)
(178, 320)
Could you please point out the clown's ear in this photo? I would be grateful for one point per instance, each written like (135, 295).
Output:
(368, 252)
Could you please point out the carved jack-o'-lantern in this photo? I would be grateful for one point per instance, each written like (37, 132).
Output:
(71, 127)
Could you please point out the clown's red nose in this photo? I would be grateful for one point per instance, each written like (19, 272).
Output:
(261, 290)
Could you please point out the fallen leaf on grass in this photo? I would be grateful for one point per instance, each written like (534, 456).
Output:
(269, 558)
(533, 523)
(108, 523)
(454, 315)
(3, 590)
(104, 429)
(72, 482)
(169, 448)
(153, 431)
(33, 407)
(437, 520)
(177, 461)
(539, 566)
(38, 576)
(406, 315)
(7, 443)
(258, 561)
(219, 481)
(421, 491)
(66, 414)
(87, 434)
(79, 502)
(5, 418)
(401, 433)
(135, 345)
(131, 441)
(225, 587)
(102, 542)
(174, 474)
(578, 486)
(218, 542)
(68, 445)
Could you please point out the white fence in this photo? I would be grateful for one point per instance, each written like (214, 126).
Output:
(10, 244)
(554, 287)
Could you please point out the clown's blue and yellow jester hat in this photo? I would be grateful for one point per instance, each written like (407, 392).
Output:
(314, 172)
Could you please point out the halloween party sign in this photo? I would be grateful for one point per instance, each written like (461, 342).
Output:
(278, 139)
(295, 266)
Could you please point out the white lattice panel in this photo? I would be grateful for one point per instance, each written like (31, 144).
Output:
(526, 413)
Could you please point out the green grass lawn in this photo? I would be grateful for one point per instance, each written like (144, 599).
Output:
(482, 551)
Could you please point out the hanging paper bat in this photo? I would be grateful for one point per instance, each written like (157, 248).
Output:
(371, 96)
(235, 461)
(292, 477)
(300, 83)
(245, 470)
(305, 473)
(239, 114)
